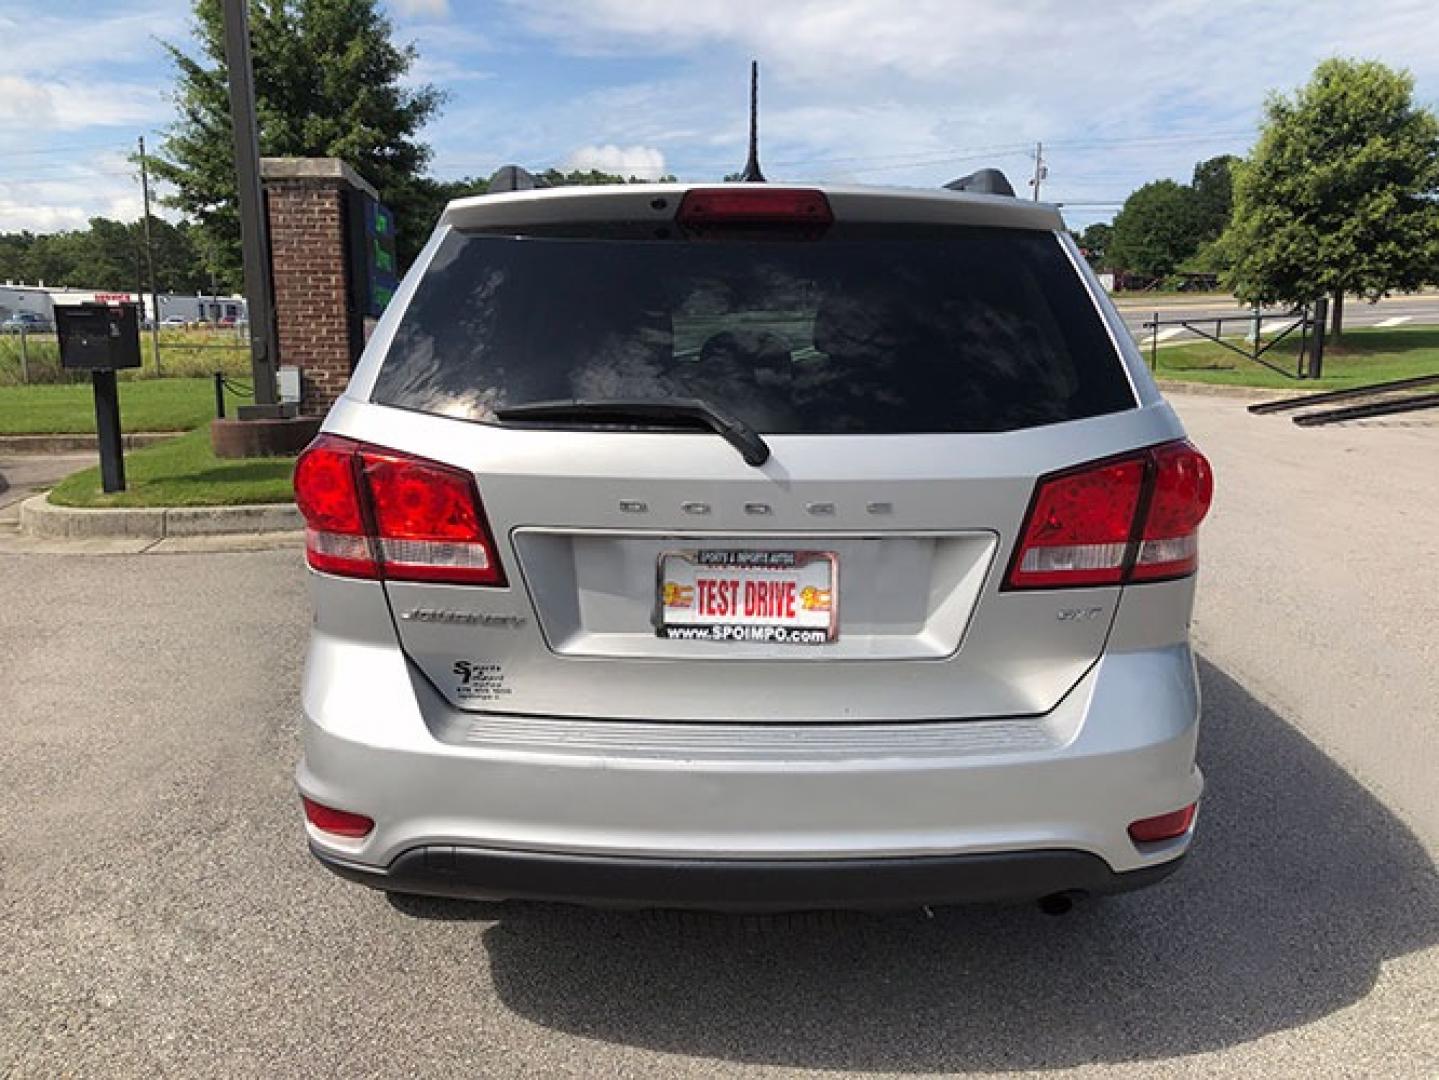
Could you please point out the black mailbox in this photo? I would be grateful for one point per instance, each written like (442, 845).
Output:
(98, 337)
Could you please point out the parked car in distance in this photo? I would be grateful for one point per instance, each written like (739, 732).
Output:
(751, 547)
(174, 320)
(28, 321)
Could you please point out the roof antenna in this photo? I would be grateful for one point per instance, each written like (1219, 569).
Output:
(751, 173)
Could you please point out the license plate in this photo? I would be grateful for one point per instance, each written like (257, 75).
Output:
(769, 597)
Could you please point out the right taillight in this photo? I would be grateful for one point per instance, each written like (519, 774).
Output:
(1181, 491)
(1125, 519)
(376, 513)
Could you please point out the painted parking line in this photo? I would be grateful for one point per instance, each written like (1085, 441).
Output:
(1397, 320)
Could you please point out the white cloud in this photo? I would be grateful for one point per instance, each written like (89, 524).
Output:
(68, 203)
(61, 104)
(416, 9)
(51, 195)
(923, 90)
(645, 162)
(49, 37)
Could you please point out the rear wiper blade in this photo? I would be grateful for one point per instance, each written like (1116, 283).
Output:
(690, 411)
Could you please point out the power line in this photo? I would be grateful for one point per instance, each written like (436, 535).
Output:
(66, 149)
(41, 181)
(920, 158)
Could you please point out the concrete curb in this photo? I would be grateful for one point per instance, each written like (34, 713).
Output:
(1249, 393)
(61, 444)
(40, 519)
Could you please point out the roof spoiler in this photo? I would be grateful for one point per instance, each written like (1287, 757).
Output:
(983, 182)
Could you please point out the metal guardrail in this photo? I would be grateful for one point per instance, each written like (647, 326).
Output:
(1308, 320)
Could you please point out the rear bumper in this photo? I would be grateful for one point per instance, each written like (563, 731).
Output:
(933, 811)
(745, 885)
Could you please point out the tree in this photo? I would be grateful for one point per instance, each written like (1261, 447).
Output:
(329, 82)
(1213, 185)
(107, 255)
(1339, 194)
(1096, 240)
(1159, 227)
(429, 196)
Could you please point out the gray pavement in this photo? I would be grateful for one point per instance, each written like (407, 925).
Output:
(21, 475)
(162, 917)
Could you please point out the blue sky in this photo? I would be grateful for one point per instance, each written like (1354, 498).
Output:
(908, 92)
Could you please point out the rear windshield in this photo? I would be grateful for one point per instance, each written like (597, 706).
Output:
(945, 329)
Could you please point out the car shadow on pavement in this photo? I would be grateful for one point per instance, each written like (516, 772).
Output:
(1301, 884)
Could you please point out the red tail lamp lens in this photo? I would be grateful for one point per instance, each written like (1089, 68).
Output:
(328, 494)
(336, 822)
(1183, 490)
(1164, 827)
(754, 207)
(1083, 529)
(428, 521)
(372, 513)
(1079, 527)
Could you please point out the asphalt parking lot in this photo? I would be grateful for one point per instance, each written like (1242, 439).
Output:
(159, 914)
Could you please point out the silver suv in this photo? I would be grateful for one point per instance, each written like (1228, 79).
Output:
(751, 547)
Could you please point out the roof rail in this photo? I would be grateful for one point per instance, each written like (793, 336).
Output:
(982, 182)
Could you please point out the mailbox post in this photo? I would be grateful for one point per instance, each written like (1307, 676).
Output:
(102, 339)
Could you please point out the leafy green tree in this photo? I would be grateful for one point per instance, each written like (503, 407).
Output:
(1159, 227)
(1213, 186)
(329, 82)
(1096, 240)
(430, 196)
(107, 255)
(1339, 195)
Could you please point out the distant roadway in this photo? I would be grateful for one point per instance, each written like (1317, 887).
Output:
(1418, 309)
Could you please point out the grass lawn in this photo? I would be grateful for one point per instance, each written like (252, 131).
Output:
(1367, 356)
(183, 472)
(145, 405)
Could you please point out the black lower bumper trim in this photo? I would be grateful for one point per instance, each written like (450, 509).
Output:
(745, 884)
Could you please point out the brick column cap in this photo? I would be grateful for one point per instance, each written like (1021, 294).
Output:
(322, 168)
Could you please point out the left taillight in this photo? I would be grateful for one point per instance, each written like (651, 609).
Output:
(1127, 519)
(327, 491)
(377, 513)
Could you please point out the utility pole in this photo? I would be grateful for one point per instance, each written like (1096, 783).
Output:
(150, 261)
(1041, 170)
(259, 293)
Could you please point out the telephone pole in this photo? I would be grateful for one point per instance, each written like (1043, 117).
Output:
(1041, 170)
(150, 260)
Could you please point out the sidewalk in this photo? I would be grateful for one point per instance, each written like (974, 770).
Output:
(22, 475)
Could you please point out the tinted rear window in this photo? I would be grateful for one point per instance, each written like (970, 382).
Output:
(950, 329)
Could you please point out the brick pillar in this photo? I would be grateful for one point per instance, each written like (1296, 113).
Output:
(307, 200)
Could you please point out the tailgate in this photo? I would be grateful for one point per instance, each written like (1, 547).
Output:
(924, 629)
